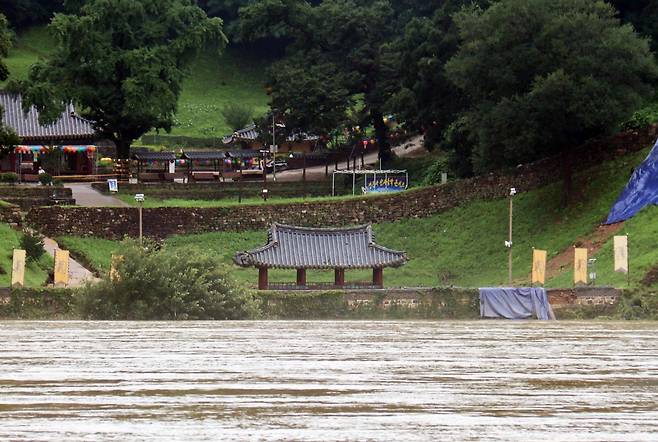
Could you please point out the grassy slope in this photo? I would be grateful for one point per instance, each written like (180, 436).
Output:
(464, 246)
(35, 275)
(213, 81)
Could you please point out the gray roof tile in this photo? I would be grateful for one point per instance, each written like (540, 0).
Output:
(27, 127)
(302, 247)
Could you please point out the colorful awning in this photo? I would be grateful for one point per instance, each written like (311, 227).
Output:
(27, 149)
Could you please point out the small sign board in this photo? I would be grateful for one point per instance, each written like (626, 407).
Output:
(113, 185)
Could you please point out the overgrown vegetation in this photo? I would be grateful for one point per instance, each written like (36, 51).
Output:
(152, 283)
(36, 272)
(32, 243)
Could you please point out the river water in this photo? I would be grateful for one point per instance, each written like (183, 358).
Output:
(312, 380)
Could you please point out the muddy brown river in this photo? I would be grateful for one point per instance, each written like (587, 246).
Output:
(326, 381)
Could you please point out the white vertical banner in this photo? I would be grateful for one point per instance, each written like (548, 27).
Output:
(621, 253)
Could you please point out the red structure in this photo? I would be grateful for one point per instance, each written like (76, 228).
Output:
(303, 248)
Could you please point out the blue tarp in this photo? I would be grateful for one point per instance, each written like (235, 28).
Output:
(514, 303)
(641, 190)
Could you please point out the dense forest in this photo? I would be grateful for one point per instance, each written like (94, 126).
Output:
(493, 83)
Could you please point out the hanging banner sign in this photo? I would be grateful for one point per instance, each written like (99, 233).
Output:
(113, 185)
(18, 268)
(621, 253)
(61, 267)
(384, 185)
(580, 266)
(538, 266)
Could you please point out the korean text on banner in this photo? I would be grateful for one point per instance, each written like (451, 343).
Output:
(580, 266)
(18, 268)
(621, 254)
(538, 266)
(61, 267)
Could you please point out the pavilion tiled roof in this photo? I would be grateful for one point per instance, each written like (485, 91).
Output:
(69, 126)
(314, 248)
(205, 155)
(251, 133)
(154, 156)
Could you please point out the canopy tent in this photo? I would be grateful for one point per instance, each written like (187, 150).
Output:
(641, 190)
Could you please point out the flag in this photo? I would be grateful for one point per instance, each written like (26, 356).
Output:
(538, 266)
(61, 267)
(18, 268)
(621, 254)
(580, 266)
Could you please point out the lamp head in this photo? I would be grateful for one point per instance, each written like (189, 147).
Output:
(512, 191)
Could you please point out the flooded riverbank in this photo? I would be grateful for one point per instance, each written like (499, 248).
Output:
(328, 380)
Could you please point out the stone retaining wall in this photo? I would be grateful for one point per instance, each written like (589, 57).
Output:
(416, 203)
(10, 214)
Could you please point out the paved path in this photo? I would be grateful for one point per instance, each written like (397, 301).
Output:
(86, 196)
(410, 149)
(78, 275)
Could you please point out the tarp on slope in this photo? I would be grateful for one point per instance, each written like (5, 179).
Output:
(641, 190)
(514, 303)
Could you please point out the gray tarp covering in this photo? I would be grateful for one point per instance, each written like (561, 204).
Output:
(514, 303)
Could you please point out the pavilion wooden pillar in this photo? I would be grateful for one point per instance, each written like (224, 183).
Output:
(301, 277)
(339, 277)
(262, 278)
(378, 277)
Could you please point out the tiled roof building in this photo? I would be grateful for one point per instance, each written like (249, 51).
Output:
(302, 248)
(69, 127)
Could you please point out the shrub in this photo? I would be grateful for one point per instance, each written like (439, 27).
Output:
(32, 243)
(45, 179)
(642, 118)
(164, 284)
(237, 115)
(433, 175)
(8, 177)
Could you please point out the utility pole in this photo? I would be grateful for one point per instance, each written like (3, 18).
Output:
(273, 147)
(139, 197)
(508, 243)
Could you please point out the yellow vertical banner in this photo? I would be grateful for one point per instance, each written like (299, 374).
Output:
(580, 266)
(18, 268)
(538, 266)
(114, 273)
(61, 267)
(621, 253)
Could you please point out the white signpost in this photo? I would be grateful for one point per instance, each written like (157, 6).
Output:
(113, 185)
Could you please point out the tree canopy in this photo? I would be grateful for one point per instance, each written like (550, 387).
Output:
(122, 63)
(335, 59)
(544, 76)
(7, 136)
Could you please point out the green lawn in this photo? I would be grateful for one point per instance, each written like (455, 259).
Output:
(150, 202)
(234, 76)
(465, 246)
(36, 273)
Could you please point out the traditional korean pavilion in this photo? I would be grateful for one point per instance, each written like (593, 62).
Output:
(303, 248)
(70, 136)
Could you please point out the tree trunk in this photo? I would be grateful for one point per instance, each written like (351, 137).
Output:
(381, 135)
(123, 149)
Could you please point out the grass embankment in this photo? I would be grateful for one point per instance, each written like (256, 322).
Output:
(234, 76)
(465, 246)
(36, 273)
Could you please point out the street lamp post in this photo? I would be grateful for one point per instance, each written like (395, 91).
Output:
(139, 197)
(508, 243)
(274, 147)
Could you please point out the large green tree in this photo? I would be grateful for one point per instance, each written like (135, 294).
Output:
(335, 57)
(122, 62)
(544, 76)
(7, 136)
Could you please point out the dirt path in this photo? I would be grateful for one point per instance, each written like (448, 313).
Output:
(592, 242)
(78, 275)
